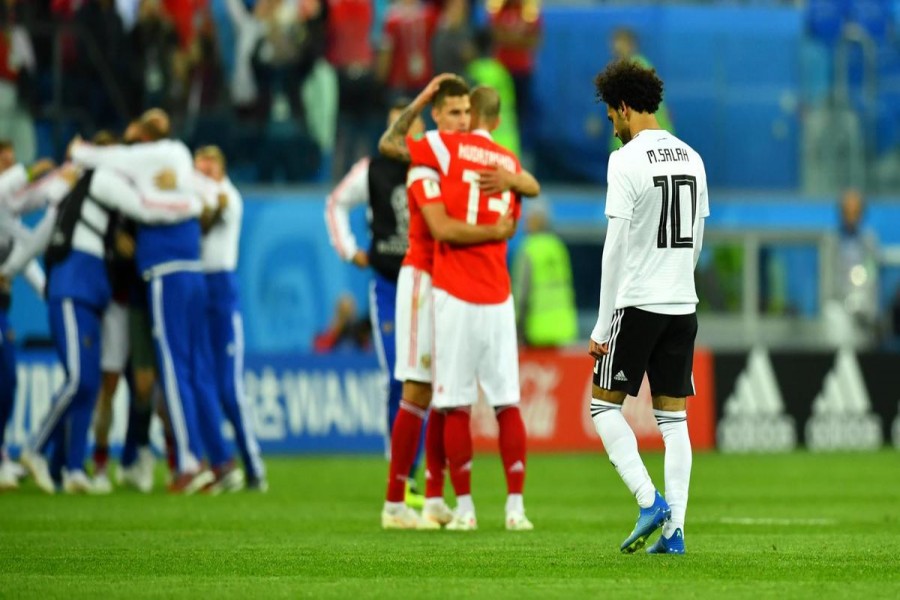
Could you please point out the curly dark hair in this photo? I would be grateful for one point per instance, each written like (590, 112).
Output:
(627, 81)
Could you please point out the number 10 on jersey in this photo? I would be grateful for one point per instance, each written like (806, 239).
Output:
(682, 234)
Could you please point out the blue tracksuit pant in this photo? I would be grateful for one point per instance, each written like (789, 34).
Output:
(178, 311)
(226, 334)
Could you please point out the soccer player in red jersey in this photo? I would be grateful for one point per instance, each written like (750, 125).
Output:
(413, 366)
(474, 320)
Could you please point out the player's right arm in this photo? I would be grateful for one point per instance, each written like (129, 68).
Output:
(619, 210)
(426, 189)
(393, 142)
(352, 190)
(28, 243)
(498, 180)
(114, 191)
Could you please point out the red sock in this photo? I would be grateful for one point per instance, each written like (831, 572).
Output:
(458, 446)
(435, 457)
(404, 442)
(101, 457)
(171, 457)
(512, 447)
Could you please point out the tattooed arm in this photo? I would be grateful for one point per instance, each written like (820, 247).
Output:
(393, 142)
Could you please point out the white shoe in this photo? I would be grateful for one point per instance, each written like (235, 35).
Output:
(435, 516)
(463, 522)
(101, 484)
(37, 466)
(9, 479)
(140, 474)
(76, 482)
(231, 480)
(18, 470)
(403, 518)
(517, 521)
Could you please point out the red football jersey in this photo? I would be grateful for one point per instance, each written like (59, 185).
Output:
(422, 187)
(477, 273)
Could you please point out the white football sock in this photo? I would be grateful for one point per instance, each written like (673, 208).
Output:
(464, 504)
(621, 446)
(393, 508)
(673, 426)
(434, 503)
(515, 503)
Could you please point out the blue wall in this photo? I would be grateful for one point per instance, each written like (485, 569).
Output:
(291, 277)
(732, 80)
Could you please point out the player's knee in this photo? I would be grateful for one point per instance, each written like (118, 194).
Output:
(612, 396)
(417, 393)
(144, 380)
(669, 403)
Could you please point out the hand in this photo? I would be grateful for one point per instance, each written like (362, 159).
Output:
(76, 141)
(40, 168)
(506, 226)
(495, 181)
(166, 179)
(5, 284)
(431, 89)
(360, 259)
(70, 174)
(124, 244)
(598, 350)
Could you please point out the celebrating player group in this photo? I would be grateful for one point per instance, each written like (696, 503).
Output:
(140, 243)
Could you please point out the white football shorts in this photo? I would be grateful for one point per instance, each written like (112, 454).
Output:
(414, 326)
(474, 345)
(114, 338)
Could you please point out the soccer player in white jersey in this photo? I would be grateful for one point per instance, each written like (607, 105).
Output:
(656, 202)
(221, 223)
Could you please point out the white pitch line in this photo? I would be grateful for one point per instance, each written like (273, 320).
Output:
(775, 521)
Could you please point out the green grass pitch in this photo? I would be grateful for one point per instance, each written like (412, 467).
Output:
(780, 526)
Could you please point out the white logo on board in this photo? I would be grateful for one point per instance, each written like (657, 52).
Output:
(754, 419)
(842, 417)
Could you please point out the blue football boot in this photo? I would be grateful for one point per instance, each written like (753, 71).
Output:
(649, 520)
(669, 545)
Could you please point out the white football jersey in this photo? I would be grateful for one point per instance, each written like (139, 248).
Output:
(219, 248)
(658, 183)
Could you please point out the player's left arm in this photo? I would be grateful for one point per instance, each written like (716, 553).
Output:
(702, 213)
(499, 180)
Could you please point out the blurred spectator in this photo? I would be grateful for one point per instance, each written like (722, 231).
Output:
(516, 26)
(292, 41)
(249, 30)
(183, 15)
(542, 284)
(487, 70)
(17, 71)
(853, 313)
(453, 44)
(204, 66)
(319, 84)
(154, 42)
(349, 50)
(104, 33)
(347, 330)
(625, 46)
(404, 60)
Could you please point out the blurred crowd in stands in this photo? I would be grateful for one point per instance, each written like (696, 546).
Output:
(264, 79)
